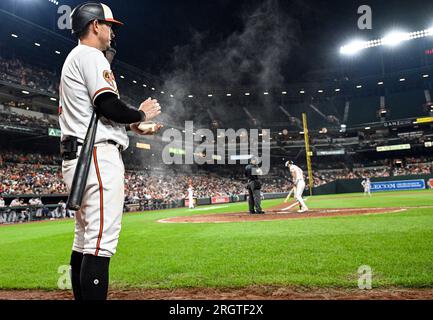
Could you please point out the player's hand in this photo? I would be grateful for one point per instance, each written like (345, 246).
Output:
(134, 127)
(151, 108)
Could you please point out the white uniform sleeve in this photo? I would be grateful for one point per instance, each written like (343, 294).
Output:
(97, 75)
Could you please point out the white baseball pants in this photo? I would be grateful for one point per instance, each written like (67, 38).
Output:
(300, 186)
(98, 222)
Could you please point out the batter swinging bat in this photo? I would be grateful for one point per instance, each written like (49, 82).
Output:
(83, 165)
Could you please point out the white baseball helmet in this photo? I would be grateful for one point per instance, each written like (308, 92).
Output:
(288, 163)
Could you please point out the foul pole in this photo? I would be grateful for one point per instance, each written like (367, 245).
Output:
(308, 153)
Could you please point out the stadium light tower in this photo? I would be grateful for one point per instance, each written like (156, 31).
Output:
(392, 39)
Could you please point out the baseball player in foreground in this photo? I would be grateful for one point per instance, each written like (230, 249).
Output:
(87, 84)
(299, 183)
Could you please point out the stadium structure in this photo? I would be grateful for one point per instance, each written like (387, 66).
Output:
(366, 116)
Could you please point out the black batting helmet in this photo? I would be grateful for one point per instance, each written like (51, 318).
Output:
(85, 13)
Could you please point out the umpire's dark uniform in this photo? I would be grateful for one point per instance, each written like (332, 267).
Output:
(254, 185)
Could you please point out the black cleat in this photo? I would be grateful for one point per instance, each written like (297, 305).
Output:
(260, 212)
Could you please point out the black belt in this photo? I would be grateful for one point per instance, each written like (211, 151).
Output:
(118, 145)
(69, 147)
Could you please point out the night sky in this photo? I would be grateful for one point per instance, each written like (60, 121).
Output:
(155, 30)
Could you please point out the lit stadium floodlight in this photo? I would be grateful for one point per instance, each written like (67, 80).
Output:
(353, 47)
(425, 75)
(302, 92)
(13, 35)
(228, 94)
(380, 83)
(395, 38)
(391, 39)
(337, 90)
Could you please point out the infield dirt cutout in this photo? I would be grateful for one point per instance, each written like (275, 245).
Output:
(281, 212)
(247, 293)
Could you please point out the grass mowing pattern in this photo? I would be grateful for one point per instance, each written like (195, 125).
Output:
(320, 252)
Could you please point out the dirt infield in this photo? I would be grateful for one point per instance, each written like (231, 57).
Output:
(248, 293)
(281, 212)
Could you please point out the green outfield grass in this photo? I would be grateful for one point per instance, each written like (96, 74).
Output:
(319, 252)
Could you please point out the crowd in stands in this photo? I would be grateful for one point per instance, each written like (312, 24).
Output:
(168, 188)
(17, 72)
(22, 179)
(10, 118)
(29, 158)
(41, 174)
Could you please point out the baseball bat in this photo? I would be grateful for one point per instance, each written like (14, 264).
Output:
(83, 165)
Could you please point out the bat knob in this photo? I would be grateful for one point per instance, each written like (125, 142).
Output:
(72, 207)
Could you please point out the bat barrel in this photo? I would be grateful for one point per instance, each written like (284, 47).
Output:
(83, 165)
